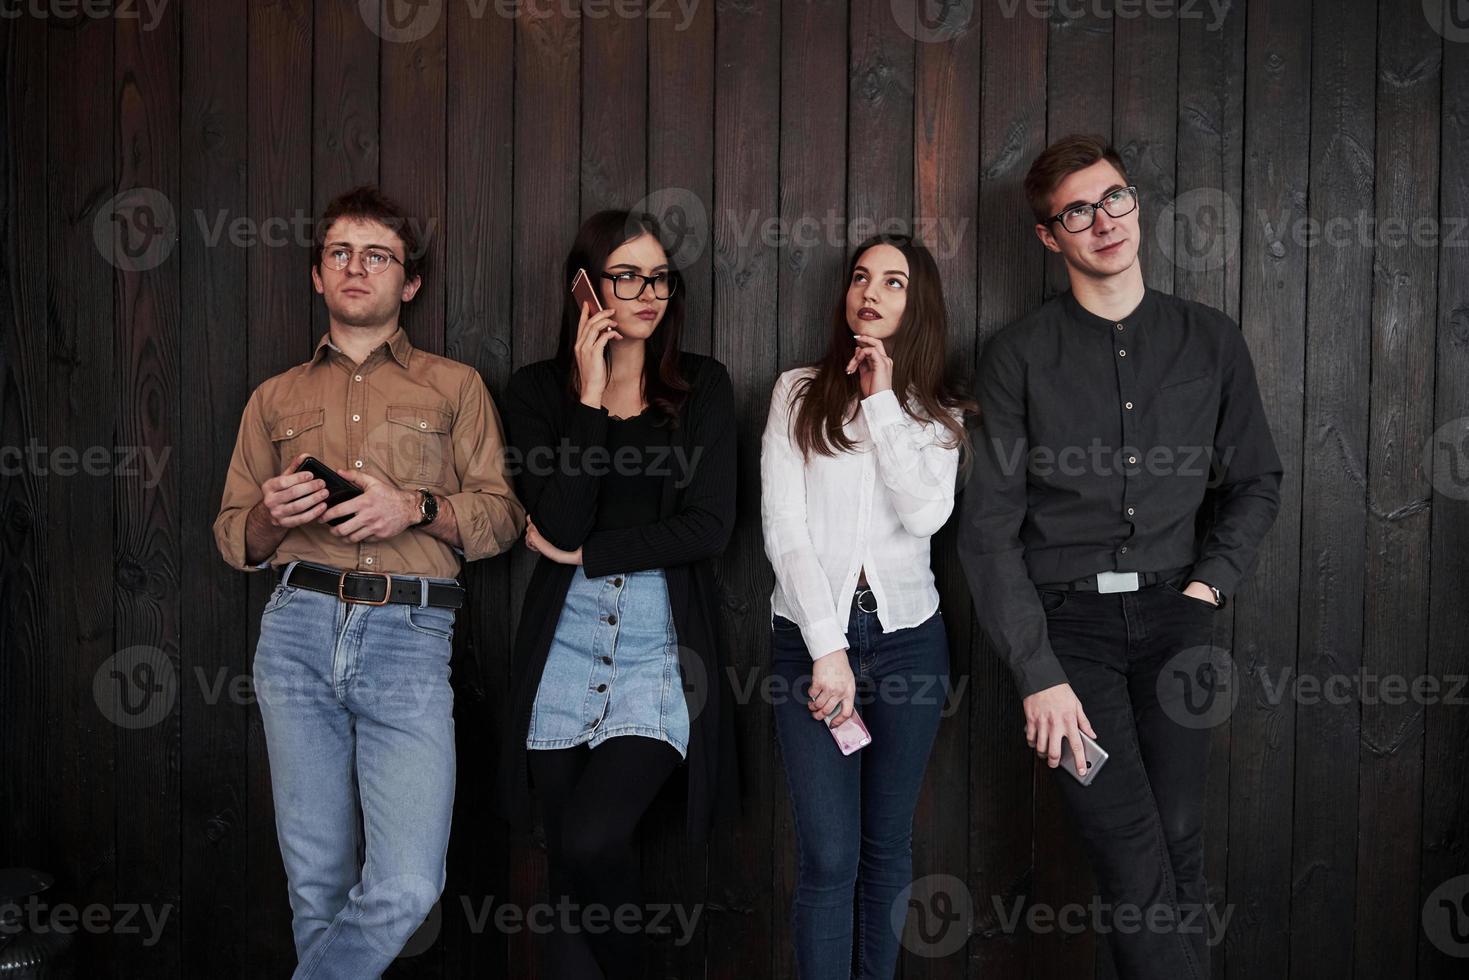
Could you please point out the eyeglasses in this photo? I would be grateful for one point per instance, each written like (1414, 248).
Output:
(630, 285)
(1078, 219)
(374, 260)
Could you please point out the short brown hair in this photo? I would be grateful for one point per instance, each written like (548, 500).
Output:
(369, 203)
(1059, 160)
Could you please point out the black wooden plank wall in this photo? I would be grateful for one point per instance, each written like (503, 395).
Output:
(1305, 168)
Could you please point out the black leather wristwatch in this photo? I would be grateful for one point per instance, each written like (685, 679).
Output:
(428, 509)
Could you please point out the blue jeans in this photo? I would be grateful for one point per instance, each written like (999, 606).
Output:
(359, 726)
(854, 814)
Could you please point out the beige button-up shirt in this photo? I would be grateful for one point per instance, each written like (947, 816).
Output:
(405, 416)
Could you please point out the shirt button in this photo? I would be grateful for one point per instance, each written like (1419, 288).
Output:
(368, 560)
(1127, 405)
(611, 620)
(1129, 512)
(357, 377)
(290, 432)
(606, 660)
(422, 424)
(356, 418)
(1122, 353)
(1124, 549)
(1130, 459)
(358, 464)
(1119, 326)
(601, 688)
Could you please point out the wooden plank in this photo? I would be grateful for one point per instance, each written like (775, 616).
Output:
(1395, 613)
(1272, 315)
(1206, 257)
(1444, 862)
(79, 754)
(745, 339)
(280, 335)
(946, 195)
(146, 545)
(1012, 132)
(1144, 124)
(1333, 529)
(213, 148)
(614, 110)
(25, 658)
(879, 119)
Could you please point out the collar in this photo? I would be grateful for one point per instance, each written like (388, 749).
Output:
(1084, 316)
(399, 346)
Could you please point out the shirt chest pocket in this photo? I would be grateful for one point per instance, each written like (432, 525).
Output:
(412, 445)
(299, 432)
(1188, 411)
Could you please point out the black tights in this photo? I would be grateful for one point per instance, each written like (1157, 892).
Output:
(594, 800)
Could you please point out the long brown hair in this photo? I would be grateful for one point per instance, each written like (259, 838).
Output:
(918, 348)
(601, 235)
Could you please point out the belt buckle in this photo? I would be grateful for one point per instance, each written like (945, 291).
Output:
(860, 593)
(1117, 582)
(387, 588)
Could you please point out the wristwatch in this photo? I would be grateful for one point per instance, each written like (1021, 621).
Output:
(1218, 596)
(428, 509)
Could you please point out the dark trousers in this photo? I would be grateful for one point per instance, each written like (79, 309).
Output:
(1143, 667)
(854, 813)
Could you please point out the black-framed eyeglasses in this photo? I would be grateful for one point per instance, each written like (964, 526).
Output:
(1077, 219)
(374, 260)
(630, 285)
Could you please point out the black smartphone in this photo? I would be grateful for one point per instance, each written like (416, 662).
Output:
(338, 488)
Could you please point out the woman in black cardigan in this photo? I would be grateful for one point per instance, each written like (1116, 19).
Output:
(624, 451)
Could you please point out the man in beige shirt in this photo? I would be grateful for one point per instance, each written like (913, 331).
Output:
(352, 668)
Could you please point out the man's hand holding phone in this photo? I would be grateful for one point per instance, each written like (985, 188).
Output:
(293, 498)
(1053, 716)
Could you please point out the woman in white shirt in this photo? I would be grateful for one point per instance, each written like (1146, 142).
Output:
(854, 482)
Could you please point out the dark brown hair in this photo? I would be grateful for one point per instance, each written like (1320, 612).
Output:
(1059, 160)
(918, 349)
(369, 203)
(601, 235)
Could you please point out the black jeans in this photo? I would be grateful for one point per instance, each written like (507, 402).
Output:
(1143, 667)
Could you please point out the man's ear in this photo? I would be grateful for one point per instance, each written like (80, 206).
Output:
(411, 287)
(316, 280)
(1043, 232)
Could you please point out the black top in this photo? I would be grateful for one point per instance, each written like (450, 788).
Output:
(639, 456)
(1098, 441)
(561, 463)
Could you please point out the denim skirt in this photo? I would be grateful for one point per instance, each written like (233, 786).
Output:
(612, 668)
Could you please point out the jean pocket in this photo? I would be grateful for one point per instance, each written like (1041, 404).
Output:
(431, 620)
(278, 598)
(1053, 599)
(1170, 589)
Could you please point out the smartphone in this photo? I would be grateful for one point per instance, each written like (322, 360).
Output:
(1095, 757)
(851, 734)
(583, 291)
(338, 488)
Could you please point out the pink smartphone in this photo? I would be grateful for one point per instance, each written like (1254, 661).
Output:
(583, 291)
(851, 734)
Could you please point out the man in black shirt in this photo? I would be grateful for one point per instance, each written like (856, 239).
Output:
(1124, 477)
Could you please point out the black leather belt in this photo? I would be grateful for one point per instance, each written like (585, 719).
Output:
(373, 588)
(865, 591)
(1089, 584)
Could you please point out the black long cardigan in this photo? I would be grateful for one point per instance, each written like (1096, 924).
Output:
(696, 521)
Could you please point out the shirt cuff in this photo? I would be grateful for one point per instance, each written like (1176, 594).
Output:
(881, 408)
(822, 637)
(1216, 572)
(1040, 671)
(232, 545)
